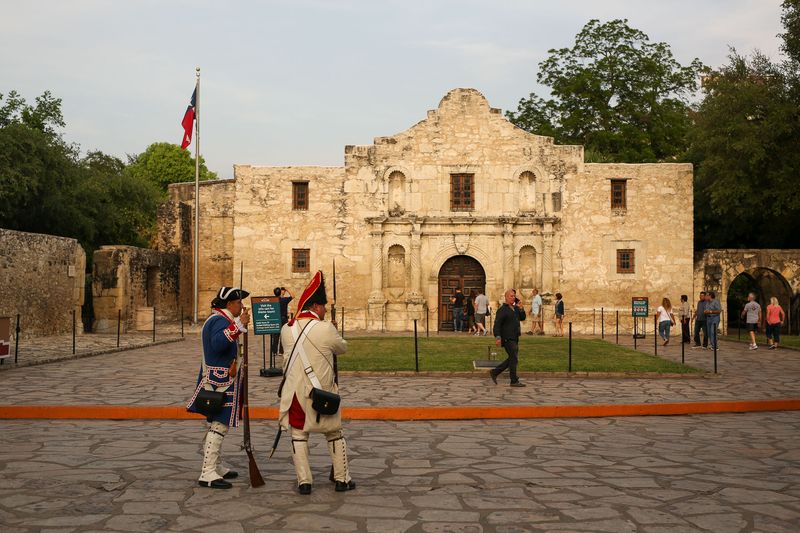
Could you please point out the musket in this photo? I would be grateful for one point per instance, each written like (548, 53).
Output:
(255, 475)
(333, 319)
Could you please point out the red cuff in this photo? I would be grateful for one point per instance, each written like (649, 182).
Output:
(232, 332)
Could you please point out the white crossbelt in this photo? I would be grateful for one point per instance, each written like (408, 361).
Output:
(299, 339)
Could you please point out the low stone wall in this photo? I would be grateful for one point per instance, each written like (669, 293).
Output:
(128, 282)
(42, 279)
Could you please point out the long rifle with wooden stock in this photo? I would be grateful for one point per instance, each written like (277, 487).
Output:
(255, 474)
(333, 319)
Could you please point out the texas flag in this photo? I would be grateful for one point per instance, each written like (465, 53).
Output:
(188, 122)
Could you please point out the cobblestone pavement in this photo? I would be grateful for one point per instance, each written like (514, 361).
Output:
(721, 473)
(165, 374)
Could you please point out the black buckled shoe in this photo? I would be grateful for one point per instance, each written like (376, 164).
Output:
(304, 489)
(231, 474)
(342, 486)
(216, 484)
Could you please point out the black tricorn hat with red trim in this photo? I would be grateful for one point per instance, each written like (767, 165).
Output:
(228, 294)
(314, 293)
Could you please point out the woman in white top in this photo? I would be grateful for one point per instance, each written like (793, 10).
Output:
(665, 319)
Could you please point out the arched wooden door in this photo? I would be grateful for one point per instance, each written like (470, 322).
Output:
(462, 272)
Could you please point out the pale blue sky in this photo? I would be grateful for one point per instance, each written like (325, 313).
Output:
(293, 82)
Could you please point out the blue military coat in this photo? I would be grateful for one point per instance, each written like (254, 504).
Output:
(220, 350)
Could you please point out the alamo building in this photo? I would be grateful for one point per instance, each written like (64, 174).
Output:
(461, 199)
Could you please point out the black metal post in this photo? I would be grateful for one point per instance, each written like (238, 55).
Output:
(154, 323)
(715, 356)
(683, 349)
(602, 323)
(427, 322)
(570, 347)
(16, 342)
(617, 326)
(74, 325)
(655, 335)
(181, 321)
(264, 351)
(343, 322)
(594, 321)
(416, 348)
(739, 329)
(119, 324)
(635, 332)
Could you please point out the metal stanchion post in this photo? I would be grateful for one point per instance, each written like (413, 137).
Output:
(602, 323)
(635, 333)
(570, 347)
(74, 325)
(683, 349)
(16, 342)
(427, 322)
(655, 336)
(416, 348)
(181, 322)
(154, 323)
(343, 322)
(617, 326)
(119, 324)
(594, 323)
(715, 356)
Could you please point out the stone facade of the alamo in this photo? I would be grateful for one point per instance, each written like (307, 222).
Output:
(463, 198)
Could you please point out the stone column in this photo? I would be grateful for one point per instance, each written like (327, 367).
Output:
(547, 258)
(377, 301)
(415, 301)
(508, 256)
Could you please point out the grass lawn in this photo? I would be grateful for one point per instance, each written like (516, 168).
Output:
(537, 354)
(790, 341)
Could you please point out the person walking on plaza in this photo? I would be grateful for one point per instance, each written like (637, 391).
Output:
(752, 315)
(506, 333)
(685, 315)
(665, 319)
(471, 313)
(457, 301)
(700, 322)
(218, 373)
(310, 372)
(536, 314)
(713, 312)
(481, 309)
(775, 319)
(558, 315)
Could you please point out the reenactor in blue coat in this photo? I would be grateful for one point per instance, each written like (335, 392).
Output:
(218, 373)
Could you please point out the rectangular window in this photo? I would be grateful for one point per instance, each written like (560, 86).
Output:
(619, 194)
(626, 262)
(556, 201)
(300, 195)
(301, 259)
(462, 192)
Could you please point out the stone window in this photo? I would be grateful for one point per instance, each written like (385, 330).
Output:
(626, 262)
(301, 259)
(462, 192)
(619, 194)
(300, 195)
(556, 201)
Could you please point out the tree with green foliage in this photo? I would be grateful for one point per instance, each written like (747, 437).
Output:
(744, 146)
(623, 97)
(164, 163)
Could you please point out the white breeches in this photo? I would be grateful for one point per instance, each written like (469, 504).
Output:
(337, 447)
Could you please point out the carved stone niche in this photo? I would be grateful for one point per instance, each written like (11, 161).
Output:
(396, 273)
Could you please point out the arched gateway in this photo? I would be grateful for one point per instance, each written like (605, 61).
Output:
(461, 271)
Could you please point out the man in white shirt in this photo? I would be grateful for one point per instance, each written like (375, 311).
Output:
(537, 324)
(481, 309)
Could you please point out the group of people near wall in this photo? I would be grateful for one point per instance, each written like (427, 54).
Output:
(470, 312)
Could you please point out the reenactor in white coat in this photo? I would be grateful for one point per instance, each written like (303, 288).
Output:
(310, 379)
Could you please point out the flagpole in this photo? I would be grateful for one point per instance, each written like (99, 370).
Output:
(196, 192)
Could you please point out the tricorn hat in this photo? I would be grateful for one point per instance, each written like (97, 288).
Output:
(228, 294)
(314, 293)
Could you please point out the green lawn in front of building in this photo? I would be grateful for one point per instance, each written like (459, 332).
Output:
(537, 354)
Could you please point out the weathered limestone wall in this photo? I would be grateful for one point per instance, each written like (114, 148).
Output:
(132, 281)
(176, 233)
(42, 279)
(657, 224)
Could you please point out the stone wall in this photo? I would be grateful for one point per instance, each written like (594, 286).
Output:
(176, 234)
(129, 282)
(42, 279)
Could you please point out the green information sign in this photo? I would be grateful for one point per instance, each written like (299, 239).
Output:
(639, 306)
(266, 315)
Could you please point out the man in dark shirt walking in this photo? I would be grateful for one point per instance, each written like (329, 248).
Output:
(700, 323)
(458, 310)
(506, 333)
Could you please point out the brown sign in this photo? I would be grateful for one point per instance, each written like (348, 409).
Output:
(5, 337)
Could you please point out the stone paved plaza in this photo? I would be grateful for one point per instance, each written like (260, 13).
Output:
(652, 474)
(724, 472)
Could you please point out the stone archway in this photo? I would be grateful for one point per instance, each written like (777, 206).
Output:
(765, 283)
(459, 272)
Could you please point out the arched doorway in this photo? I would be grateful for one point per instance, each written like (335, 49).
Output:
(461, 271)
(765, 283)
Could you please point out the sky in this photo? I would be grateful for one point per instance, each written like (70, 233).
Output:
(293, 82)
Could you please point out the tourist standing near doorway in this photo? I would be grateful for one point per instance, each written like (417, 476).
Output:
(775, 318)
(458, 310)
(752, 315)
(558, 315)
(536, 314)
(713, 312)
(700, 322)
(471, 313)
(507, 331)
(665, 319)
(685, 315)
(481, 309)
